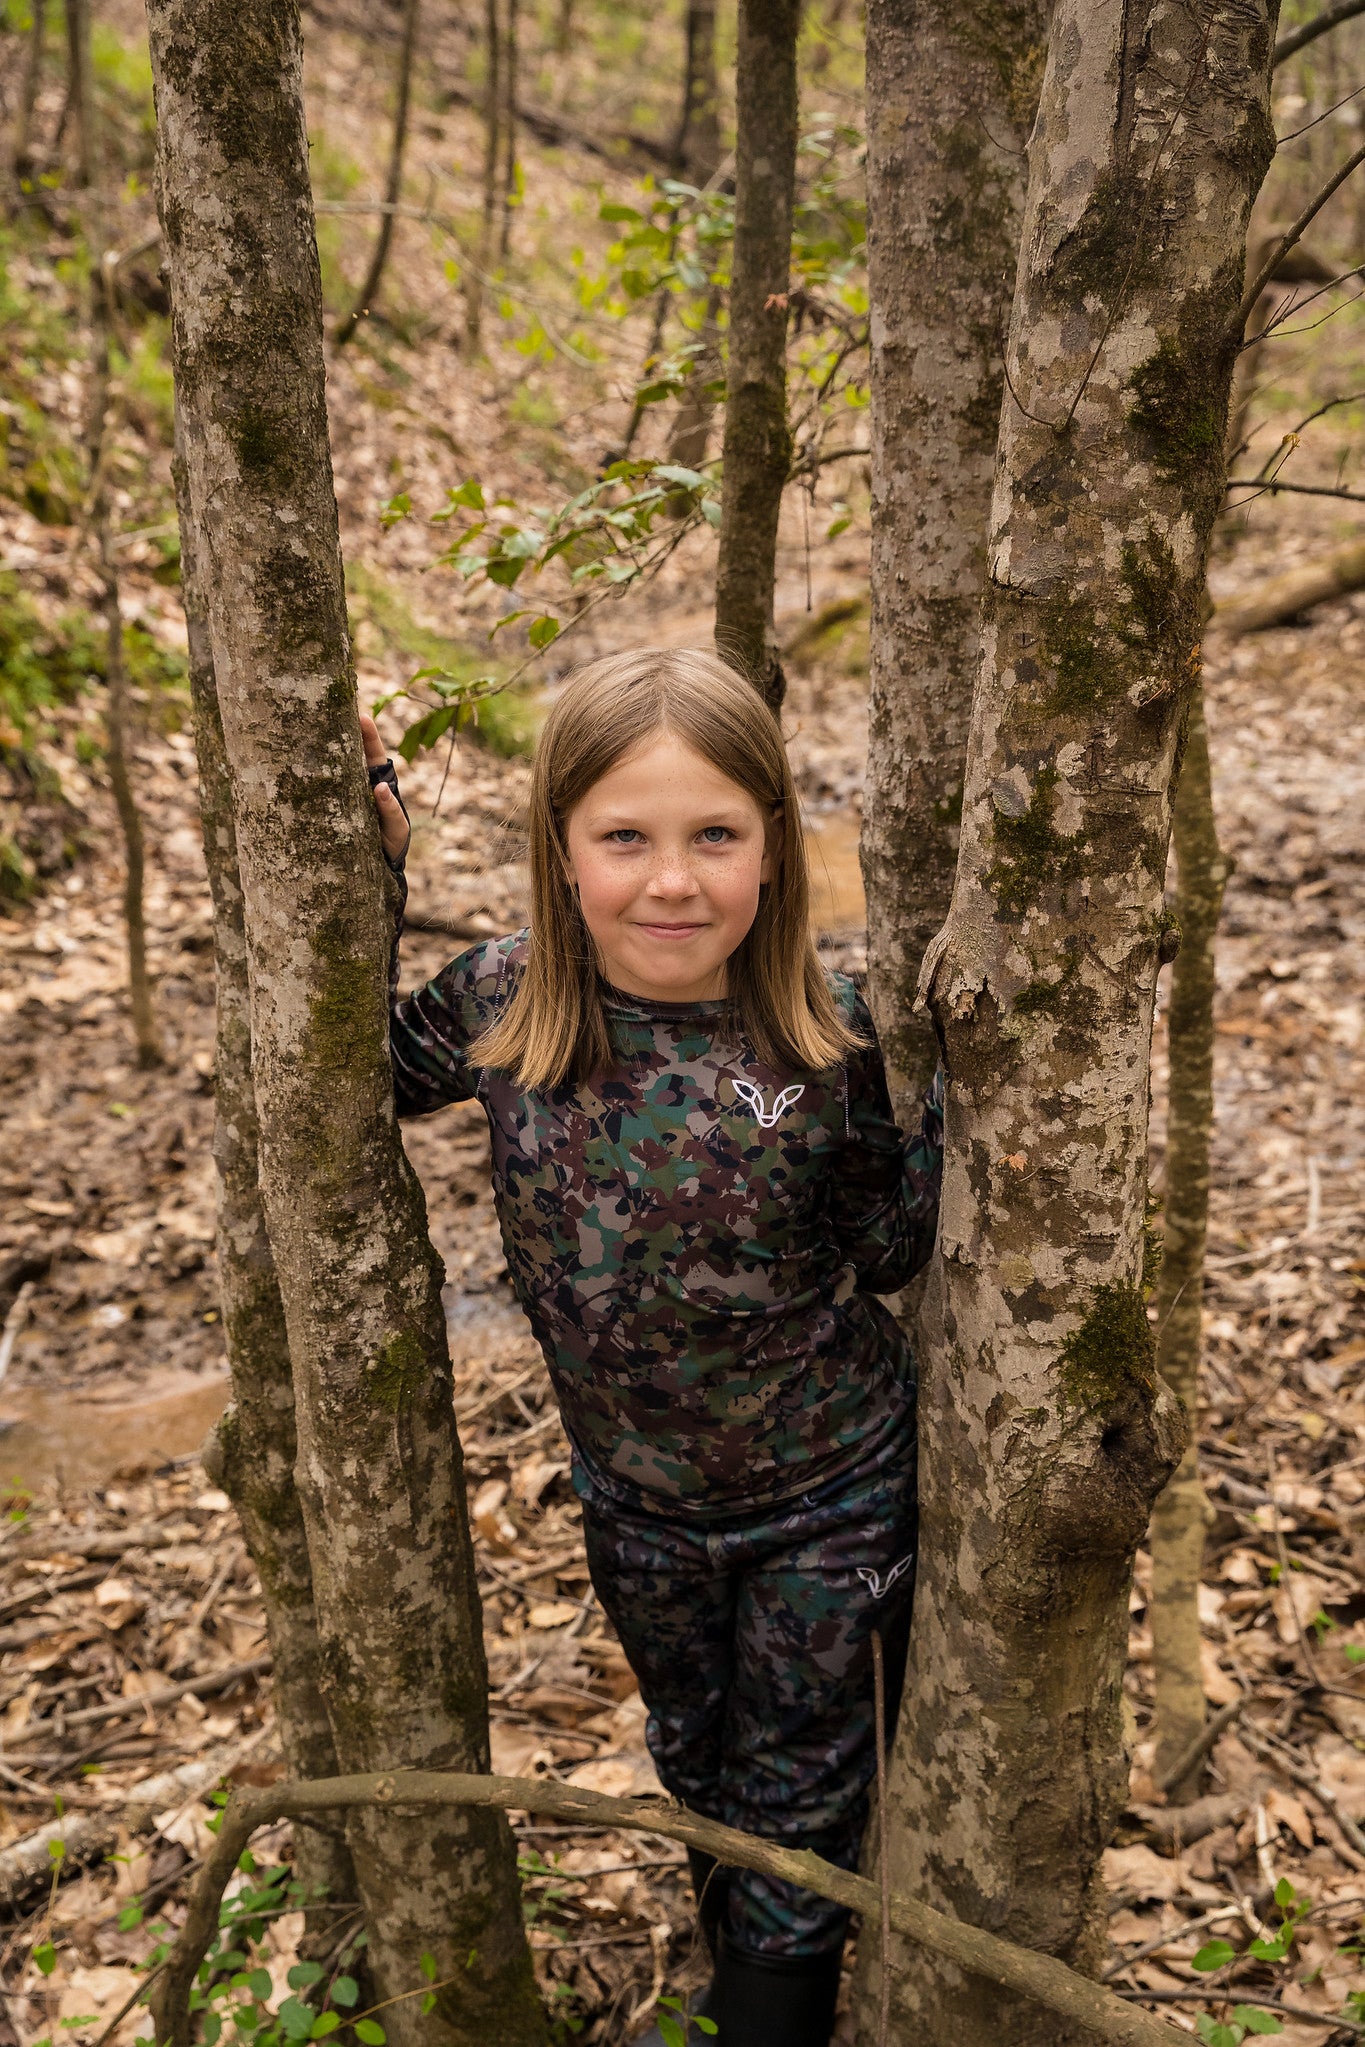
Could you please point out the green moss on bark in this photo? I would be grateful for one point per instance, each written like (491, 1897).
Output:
(1032, 855)
(1112, 1352)
(399, 1372)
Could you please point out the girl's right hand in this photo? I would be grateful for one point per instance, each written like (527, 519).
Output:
(394, 830)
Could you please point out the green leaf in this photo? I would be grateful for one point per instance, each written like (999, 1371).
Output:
(1285, 1894)
(1215, 2035)
(427, 1965)
(672, 2033)
(710, 511)
(1353, 1652)
(655, 393)
(509, 618)
(542, 631)
(213, 2026)
(1272, 1950)
(56, 1851)
(611, 210)
(304, 1973)
(1254, 2019)
(346, 1991)
(428, 2003)
(259, 1984)
(503, 570)
(1215, 1954)
(704, 2025)
(44, 1958)
(838, 526)
(395, 510)
(295, 2018)
(673, 472)
(370, 2032)
(326, 2022)
(469, 493)
(129, 1917)
(426, 731)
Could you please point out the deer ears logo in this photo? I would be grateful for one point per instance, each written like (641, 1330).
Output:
(752, 1098)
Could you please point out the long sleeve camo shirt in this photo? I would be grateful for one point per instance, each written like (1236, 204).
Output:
(697, 1239)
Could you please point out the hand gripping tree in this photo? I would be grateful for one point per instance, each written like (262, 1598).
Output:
(401, 1663)
(1046, 1430)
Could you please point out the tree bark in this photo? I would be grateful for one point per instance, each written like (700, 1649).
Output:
(79, 86)
(379, 1469)
(492, 157)
(365, 297)
(696, 147)
(948, 112)
(1178, 1524)
(254, 1446)
(1046, 1431)
(758, 442)
(509, 129)
(22, 159)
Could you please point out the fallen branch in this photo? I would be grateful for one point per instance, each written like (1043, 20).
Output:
(1022, 1970)
(1282, 598)
(75, 1542)
(143, 1702)
(27, 1864)
(1174, 1827)
(1199, 1747)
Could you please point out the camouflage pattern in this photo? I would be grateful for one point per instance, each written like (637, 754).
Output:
(696, 1238)
(752, 1646)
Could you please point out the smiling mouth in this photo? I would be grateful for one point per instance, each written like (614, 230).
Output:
(671, 931)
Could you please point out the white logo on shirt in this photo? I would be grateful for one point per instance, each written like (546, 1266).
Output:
(752, 1098)
(879, 1586)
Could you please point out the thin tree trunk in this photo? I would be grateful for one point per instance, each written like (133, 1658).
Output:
(28, 95)
(758, 442)
(369, 290)
(379, 1469)
(254, 1446)
(117, 703)
(509, 130)
(79, 87)
(948, 113)
(1177, 1534)
(696, 146)
(1046, 1431)
(492, 157)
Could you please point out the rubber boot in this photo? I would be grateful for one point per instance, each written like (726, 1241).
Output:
(773, 2000)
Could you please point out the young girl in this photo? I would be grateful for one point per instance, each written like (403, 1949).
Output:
(701, 1192)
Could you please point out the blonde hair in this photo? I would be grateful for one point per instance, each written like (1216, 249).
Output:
(554, 1027)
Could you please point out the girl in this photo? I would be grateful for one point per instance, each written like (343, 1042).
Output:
(701, 1192)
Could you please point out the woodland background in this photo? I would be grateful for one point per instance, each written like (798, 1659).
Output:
(123, 1570)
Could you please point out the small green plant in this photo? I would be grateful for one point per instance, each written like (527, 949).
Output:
(1218, 1954)
(674, 2022)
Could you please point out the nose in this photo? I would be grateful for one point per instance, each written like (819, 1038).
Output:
(672, 879)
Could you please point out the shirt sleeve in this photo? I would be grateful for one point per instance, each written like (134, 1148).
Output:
(886, 1192)
(431, 1030)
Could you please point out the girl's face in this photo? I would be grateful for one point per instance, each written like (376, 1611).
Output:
(668, 855)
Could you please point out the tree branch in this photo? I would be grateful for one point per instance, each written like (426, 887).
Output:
(1023, 1970)
(1303, 490)
(1291, 235)
(370, 287)
(1331, 17)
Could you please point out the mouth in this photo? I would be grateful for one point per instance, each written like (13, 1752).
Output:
(670, 933)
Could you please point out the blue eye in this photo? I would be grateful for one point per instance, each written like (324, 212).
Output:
(625, 835)
(717, 834)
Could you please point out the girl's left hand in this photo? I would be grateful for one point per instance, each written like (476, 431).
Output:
(394, 831)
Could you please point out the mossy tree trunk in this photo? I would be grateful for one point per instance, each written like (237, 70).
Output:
(378, 1469)
(951, 93)
(758, 443)
(697, 153)
(508, 128)
(79, 88)
(1177, 1534)
(253, 1448)
(393, 190)
(1046, 1431)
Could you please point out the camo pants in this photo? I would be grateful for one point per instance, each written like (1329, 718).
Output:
(751, 1641)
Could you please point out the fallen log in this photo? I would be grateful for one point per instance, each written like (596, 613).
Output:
(142, 1702)
(1024, 1970)
(86, 1836)
(1286, 597)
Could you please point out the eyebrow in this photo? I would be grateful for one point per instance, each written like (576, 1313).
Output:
(621, 820)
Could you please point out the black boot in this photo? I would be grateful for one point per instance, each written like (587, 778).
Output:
(773, 2000)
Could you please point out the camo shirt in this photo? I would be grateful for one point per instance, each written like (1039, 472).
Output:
(696, 1238)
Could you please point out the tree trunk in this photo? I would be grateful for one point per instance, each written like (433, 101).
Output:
(492, 157)
(696, 146)
(254, 1446)
(379, 1469)
(948, 113)
(1177, 1535)
(79, 86)
(365, 297)
(117, 702)
(758, 442)
(22, 159)
(509, 130)
(1046, 1432)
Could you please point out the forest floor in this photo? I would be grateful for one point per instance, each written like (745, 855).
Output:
(121, 1570)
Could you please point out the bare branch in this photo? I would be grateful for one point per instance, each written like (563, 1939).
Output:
(1303, 490)
(1041, 1977)
(1291, 235)
(368, 290)
(1331, 17)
